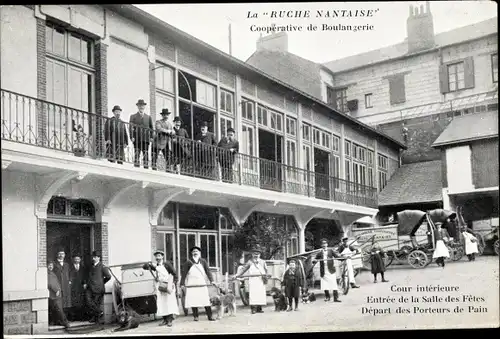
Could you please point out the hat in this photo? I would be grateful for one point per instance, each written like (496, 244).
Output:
(230, 129)
(76, 255)
(256, 248)
(165, 111)
(96, 254)
(324, 240)
(141, 102)
(159, 252)
(60, 249)
(204, 124)
(177, 119)
(116, 108)
(345, 238)
(292, 260)
(194, 248)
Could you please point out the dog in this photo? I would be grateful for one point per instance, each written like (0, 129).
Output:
(308, 297)
(128, 319)
(279, 299)
(225, 302)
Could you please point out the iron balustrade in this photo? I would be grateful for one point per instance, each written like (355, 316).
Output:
(45, 124)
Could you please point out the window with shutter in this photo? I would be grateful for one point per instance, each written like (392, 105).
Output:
(469, 72)
(331, 97)
(397, 89)
(443, 79)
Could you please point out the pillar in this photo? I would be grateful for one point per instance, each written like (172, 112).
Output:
(302, 239)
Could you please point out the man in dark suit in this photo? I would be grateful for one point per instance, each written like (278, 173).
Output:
(164, 133)
(62, 271)
(205, 152)
(116, 137)
(98, 276)
(141, 133)
(78, 277)
(227, 154)
(56, 314)
(181, 144)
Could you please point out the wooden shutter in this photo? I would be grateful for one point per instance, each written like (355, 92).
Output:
(331, 97)
(397, 89)
(444, 85)
(469, 72)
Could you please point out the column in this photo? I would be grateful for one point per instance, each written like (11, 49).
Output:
(302, 239)
(375, 165)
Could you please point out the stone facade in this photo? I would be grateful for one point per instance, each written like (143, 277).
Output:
(24, 316)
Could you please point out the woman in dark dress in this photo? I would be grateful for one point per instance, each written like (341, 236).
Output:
(377, 262)
(293, 283)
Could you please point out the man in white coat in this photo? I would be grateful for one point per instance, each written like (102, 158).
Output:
(166, 301)
(470, 245)
(196, 277)
(257, 280)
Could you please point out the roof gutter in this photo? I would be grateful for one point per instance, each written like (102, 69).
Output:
(134, 13)
(463, 141)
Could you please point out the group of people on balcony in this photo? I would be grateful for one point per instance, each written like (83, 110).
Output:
(172, 141)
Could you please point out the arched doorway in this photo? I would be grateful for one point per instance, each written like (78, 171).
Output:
(70, 226)
(318, 229)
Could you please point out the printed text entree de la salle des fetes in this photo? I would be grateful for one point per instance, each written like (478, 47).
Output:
(418, 300)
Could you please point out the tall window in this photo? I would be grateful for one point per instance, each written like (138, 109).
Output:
(347, 161)
(205, 93)
(262, 115)
(359, 164)
(164, 77)
(456, 76)
(270, 119)
(382, 171)
(291, 126)
(494, 67)
(336, 143)
(247, 110)
(368, 100)
(70, 69)
(165, 242)
(306, 132)
(226, 101)
(370, 168)
(341, 98)
(225, 123)
(321, 138)
(247, 146)
(291, 156)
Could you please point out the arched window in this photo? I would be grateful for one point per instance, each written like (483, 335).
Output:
(61, 207)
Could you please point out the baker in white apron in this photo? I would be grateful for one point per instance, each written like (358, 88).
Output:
(196, 277)
(347, 251)
(470, 245)
(256, 269)
(441, 251)
(166, 302)
(327, 270)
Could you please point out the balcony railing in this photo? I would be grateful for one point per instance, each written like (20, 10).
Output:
(40, 123)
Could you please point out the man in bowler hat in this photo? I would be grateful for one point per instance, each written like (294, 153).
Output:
(98, 276)
(115, 134)
(164, 133)
(229, 147)
(205, 151)
(181, 144)
(141, 133)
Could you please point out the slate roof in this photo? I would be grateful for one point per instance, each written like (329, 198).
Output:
(469, 127)
(413, 183)
(452, 37)
(289, 68)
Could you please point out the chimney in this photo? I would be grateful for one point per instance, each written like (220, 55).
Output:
(420, 28)
(276, 42)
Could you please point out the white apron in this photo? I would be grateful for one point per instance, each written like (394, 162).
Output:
(196, 296)
(350, 269)
(470, 247)
(329, 280)
(166, 303)
(257, 289)
(441, 250)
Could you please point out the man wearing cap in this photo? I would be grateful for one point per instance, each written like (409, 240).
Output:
(347, 251)
(56, 314)
(77, 276)
(164, 132)
(62, 271)
(180, 144)
(327, 270)
(166, 302)
(115, 135)
(141, 133)
(229, 148)
(98, 276)
(206, 156)
(257, 280)
(196, 277)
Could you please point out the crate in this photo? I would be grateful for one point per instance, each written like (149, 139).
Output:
(136, 282)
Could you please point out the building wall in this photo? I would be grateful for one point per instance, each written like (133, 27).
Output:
(485, 163)
(19, 232)
(459, 169)
(17, 55)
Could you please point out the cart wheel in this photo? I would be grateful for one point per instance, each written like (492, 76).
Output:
(495, 247)
(343, 280)
(244, 295)
(418, 259)
(402, 254)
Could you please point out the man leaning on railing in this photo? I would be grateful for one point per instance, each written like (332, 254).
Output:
(115, 135)
(229, 147)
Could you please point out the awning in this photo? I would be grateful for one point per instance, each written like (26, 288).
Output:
(413, 184)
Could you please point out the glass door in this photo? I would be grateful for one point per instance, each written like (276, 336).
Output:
(186, 241)
(206, 241)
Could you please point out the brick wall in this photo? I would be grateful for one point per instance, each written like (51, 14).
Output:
(422, 132)
(101, 241)
(154, 229)
(101, 93)
(41, 79)
(18, 317)
(42, 242)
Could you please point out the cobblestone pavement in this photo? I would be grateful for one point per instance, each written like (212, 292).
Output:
(477, 280)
